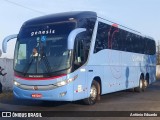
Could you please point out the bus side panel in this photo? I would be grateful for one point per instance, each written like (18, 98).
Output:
(120, 70)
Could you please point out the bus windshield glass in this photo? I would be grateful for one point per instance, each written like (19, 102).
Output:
(43, 49)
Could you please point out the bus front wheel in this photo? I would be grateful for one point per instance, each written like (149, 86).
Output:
(94, 96)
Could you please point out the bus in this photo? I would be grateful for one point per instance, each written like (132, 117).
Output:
(79, 55)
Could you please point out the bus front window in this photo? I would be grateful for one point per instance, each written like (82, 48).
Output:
(43, 52)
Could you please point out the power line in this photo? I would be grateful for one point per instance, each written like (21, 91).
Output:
(37, 11)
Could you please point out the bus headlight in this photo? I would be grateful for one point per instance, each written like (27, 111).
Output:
(62, 83)
(65, 82)
(16, 83)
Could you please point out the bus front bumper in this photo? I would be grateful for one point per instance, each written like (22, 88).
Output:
(64, 93)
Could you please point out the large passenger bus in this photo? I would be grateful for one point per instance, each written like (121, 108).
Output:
(79, 56)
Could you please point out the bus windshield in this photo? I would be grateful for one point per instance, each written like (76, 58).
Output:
(43, 49)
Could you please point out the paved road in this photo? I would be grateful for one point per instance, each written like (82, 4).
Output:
(119, 101)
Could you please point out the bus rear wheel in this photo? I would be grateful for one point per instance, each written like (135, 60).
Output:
(143, 84)
(94, 96)
(140, 87)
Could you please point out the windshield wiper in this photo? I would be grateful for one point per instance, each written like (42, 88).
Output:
(48, 67)
(44, 58)
(26, 68)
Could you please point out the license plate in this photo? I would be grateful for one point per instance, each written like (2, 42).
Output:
(36, 95)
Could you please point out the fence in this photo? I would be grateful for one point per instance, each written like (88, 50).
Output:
(7, 80)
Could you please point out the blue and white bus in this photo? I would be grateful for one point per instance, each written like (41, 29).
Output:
(79, 56)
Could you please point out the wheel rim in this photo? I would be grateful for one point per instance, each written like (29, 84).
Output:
(145, 83)
(93, 93)
(141, 84)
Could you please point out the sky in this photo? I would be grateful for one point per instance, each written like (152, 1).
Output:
(141, 15)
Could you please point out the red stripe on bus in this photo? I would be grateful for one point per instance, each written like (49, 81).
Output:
(50, 78)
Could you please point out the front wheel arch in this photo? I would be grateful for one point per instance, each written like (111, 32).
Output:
(94, 93)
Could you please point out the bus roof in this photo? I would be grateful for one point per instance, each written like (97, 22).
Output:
(65, 16)
(61, 17)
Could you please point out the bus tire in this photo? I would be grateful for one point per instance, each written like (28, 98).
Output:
(140, 87)
(94, 96)
(145, 84)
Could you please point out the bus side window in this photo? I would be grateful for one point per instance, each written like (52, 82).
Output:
(80, 49)
(102, 37)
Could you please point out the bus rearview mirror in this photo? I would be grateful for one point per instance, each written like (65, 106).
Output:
(72, 36)
(6, 39)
